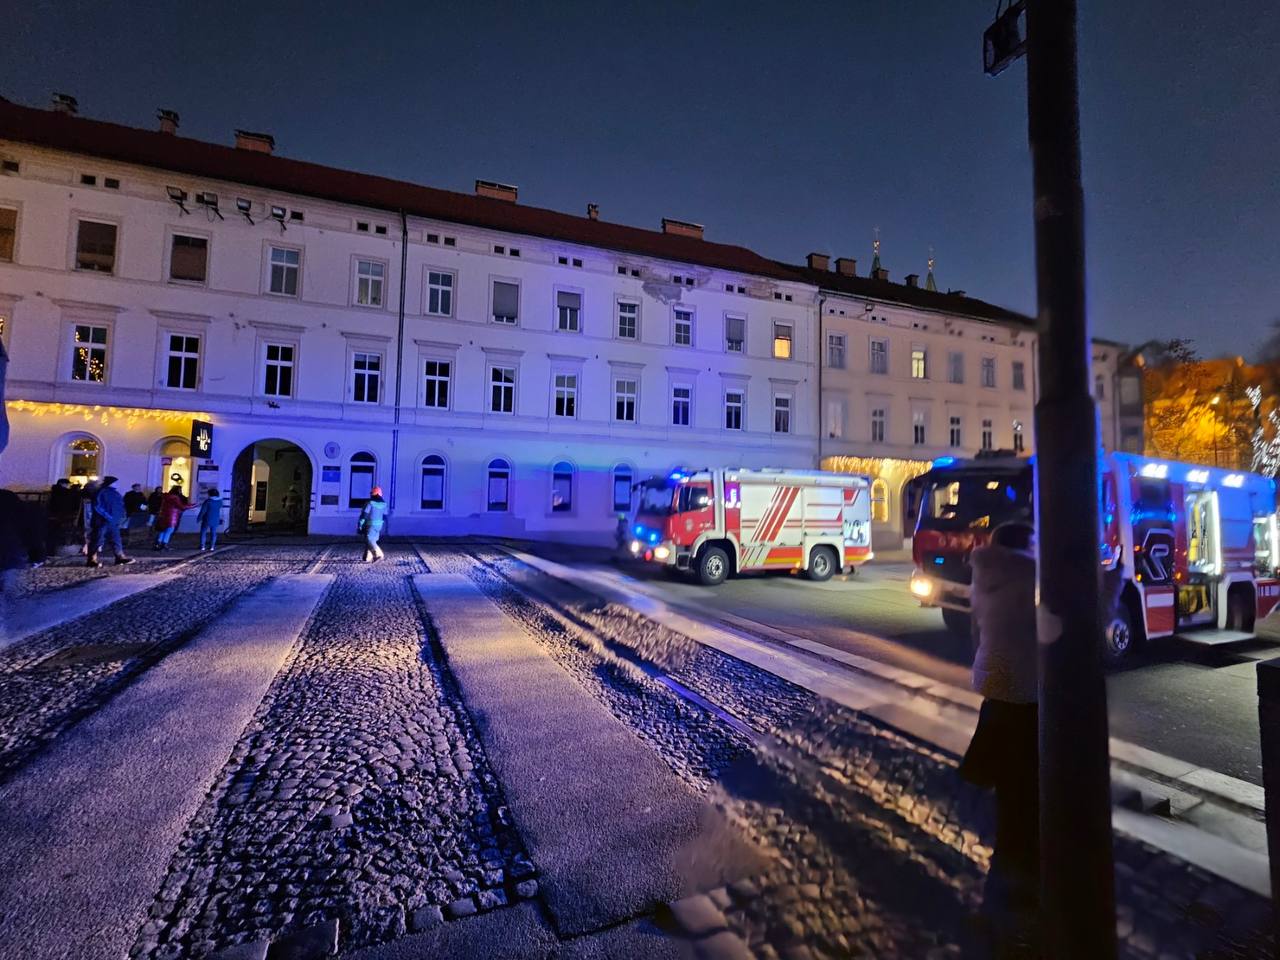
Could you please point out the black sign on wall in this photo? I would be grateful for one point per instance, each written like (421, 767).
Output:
(201, 440)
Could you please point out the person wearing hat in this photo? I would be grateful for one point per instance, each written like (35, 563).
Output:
(108, 514)
(208, 518)
(372, 519)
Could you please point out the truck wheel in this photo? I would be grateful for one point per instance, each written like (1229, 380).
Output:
(713, 567)
(1121, 636)
(958, 622)
(822, 564)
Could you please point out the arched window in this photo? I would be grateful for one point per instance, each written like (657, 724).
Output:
(364, 467)
(81, 459)
(175, 465)
(622, 488)
(499, 495)
(879, 501)
(432, 482)
(562, 487)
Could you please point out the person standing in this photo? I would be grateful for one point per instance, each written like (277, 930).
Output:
(153, 506)
(108, 515)
(172, 505)
(88, 494)
(208, 517)
(21, 546)
(1004, 752)
(135, 510)
(372, 519)
(64, 507)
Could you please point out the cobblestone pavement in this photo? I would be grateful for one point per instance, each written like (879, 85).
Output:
(358, 795)
(51, 679)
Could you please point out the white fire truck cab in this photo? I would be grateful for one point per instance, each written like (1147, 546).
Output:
(1197, 547)
(714, 523)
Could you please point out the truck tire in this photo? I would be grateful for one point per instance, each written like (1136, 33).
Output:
(1121, 635)
(822, 564)
(958, 622)
(713, 567)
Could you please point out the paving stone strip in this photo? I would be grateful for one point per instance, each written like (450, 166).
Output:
(52, 679)
(358, 795)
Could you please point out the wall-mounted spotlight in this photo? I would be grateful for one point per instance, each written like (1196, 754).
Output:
(210, 203)
(245, 206)
(179, 197)
(278, 214)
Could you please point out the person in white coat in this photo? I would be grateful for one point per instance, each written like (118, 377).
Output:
(1004, 752)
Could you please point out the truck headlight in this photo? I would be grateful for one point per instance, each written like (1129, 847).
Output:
(922, 587)
(635, 546)
(661, 553)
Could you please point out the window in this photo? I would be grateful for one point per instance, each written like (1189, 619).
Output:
(285, 264)
(681, 402)
(361, 480)
(111, 183)
(919, 363)
(628, 320)
(1019, 441)
(988, 436)
(1099, 387)
(1019, 375)
(918, 427)
(877, 425)
(782, 341)
(957, 435)
(499, 488)
(682, 332)
(566, 395)
(8, 232)
(184, 361)
(568, 311)
(562, 487)
(502, 389)
(734, 400)
(621, 488)
(1130, 391)
(879, 356)
(366, 384)
(278, 370)
(88, 180)
(89, 358)
(735, 334)
(439, 293)
(989, 372)
(835, 351)
(82, 460)
(432, 493)
(879, 501)
(781, 414)
(189, 259)
(370, 275)
(96, 246)
(624, 400)
(955, 367)
(506, 302)
(834, 415)
(435, 383)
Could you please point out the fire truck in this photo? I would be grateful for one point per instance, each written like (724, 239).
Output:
(714, 523)
(1196, 546)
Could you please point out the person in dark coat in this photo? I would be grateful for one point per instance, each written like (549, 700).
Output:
(88, 494)
(108, 515)
(63, 508)
(21, 546)
(153, 505)
(208, 518)
(172, 504)
(135, 511)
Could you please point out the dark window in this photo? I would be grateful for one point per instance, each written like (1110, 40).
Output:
(8, 232)
(96, 246)
(184, 361)
(189, 259)
(621, 489)
(433, 483)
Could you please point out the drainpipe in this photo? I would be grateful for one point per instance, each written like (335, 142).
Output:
(821, 346)
(395, 429)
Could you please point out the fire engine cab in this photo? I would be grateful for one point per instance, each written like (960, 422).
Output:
(714, 523)
(1197, 547)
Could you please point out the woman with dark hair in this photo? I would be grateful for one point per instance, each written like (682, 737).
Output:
(1004, 752)
(171, 506)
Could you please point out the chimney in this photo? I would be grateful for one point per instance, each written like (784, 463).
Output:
(257, 142)
(846, 266)
(593, 211)
(168, 120)
(955, 293)
(880, 273)
(496, 191)
(913, 279)
(818, 261)
(65, 103)
(681, 228)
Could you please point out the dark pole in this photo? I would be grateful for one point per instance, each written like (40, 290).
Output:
(1076, 869)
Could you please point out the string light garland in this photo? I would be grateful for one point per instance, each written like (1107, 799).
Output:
(103, 414)
(877, 466)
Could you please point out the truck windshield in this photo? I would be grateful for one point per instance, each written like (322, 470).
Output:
(975, 501)
(656, 498)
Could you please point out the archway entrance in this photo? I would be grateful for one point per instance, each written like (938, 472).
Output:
(271, 488)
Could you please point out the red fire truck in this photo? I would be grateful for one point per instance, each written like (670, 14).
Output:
(1197, 546)
(714, 523)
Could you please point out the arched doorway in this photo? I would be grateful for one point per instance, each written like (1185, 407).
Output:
(271, 488)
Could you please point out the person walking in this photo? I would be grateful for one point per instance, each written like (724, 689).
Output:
(372, 519)
(21, 547)
(172, 505)
(1004, 752)
(153, 506)
(208, 518)
(108, 515)
(135, 511)
(64, 507)
(88, 494)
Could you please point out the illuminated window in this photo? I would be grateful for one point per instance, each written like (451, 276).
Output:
(89, 356)
(361, 480)
(562, 487)
(734, 400)
(8, 232)
(628, 320)
(566, 395)
(781, 414)
(919, 363)
(498, 495)
(370, 276)
(366, 377)
(624, 400)
(435, 383)
(681, 405)
(96, 246)
(433, 473)
(682, 327)
(782, 342)
(278, 363)
(502, 389)
(286, 264)
(622, 488)
(879, 356)
(439, 293)
(879, 501)
(183, 362)
(188, 259)
(568, 311)
(81, 459)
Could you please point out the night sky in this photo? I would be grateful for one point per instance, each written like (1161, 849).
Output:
(783, 127)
